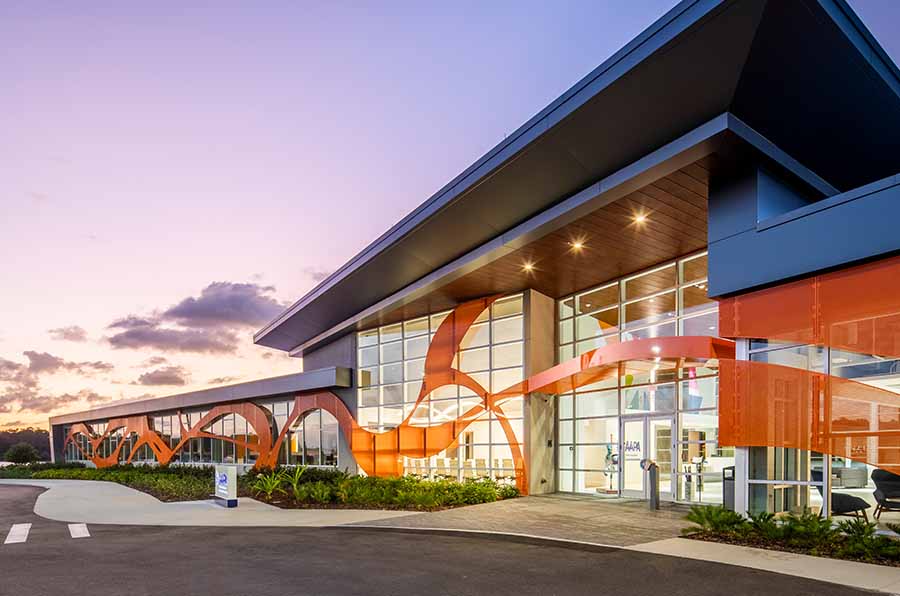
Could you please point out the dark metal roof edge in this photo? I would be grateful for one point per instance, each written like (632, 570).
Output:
(830, 202)
(506, 149)
(859, 35)
(323, 378)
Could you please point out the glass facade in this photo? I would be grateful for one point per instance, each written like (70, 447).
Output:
(604, 430)
(312, 440)
(391, 366)
(785, 479)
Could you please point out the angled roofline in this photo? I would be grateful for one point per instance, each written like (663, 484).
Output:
(685, 15)
(859, 35)
(682, 16)
(690, 147)
(323, 378)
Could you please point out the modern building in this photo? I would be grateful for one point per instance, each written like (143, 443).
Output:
(689, 257)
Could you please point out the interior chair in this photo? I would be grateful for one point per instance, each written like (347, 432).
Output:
(842, 503)
(887, 491)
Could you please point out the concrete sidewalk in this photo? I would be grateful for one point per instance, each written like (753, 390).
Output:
(847, 573)
(93, 502)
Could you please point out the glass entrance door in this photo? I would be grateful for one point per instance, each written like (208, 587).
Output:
(646, 437)
(633, 445)
(660, 444)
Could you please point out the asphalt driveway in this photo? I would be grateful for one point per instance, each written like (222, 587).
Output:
(138, 560)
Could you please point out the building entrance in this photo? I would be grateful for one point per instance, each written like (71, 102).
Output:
(646, 437)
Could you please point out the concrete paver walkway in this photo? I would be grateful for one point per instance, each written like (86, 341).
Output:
(612, 522)
(93, 502)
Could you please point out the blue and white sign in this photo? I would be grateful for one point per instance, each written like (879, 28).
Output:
(226, 485)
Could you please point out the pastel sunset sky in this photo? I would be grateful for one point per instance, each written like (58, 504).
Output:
(172, 174)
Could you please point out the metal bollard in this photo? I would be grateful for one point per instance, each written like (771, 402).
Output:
(653, 481)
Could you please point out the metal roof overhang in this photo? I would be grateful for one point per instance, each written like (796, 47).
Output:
(723, 135)
(325, 378)
(772, 65)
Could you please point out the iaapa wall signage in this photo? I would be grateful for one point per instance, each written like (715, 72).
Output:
(226, 486)
(632, 447)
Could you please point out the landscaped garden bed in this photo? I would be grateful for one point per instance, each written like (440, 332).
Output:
(289, 488)
(305, 488)
(807, 534)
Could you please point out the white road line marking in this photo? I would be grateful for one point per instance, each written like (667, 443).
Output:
(79, 531)
(17, 533)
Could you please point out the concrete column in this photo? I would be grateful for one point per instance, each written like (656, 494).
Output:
(540, 409)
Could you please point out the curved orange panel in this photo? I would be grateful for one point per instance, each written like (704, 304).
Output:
(769, 405)
(256, 416)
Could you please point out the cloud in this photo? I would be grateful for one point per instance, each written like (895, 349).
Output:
(133, 322)
(22, 387)
(168, 375)
(227, 304)
(42, 362)
(208, 323)
(222, 380)
(316, 274)
(70, 333)
(154, 361)
(44, 404)
(167, 339)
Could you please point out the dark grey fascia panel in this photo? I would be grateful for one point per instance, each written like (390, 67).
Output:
(838, 231)
(325, 378)
(724, 132)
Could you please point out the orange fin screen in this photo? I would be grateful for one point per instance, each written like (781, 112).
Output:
(855, 310)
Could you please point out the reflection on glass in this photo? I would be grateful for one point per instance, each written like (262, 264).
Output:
(599, 298)
(805, 357)
(651, 282)
(650, 310)
(648, 398)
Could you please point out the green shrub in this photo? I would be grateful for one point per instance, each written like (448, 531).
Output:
(861, 541)
(320, 492)
(810, 531)
(295, 480)
(267, 484)
(764, 526)
(507, 491)
(22, 453)
(715, 520)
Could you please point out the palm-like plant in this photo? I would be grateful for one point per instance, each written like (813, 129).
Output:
(267, 484)
(294, 480)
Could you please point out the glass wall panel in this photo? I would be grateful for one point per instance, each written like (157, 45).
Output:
(391, 369)
(665, 301)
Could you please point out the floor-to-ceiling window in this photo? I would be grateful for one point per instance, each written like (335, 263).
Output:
(605, 429)
(391, 365)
